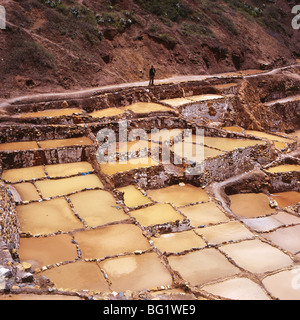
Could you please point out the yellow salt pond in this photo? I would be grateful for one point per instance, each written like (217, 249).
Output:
(15, 175)
(43, 251)
(59, 143)
(202, 266)
(286, 199)
(111, 240)
(51, 113)
(26, 191)
(60, 187)
(107, 113)
(79, 275)
(111, 168)
(97, 207)
(257, 256)
(135, 273)
(178, 242)
(165, 135)
(145, 107)
(179, 195)
(133, 197)
(229, 144)
(68, 169)
(205, 97)
(156, 214)
(47, 217)
(15, 146)
(233, 129)
(250, 205)
(177, 102)
(284, 168)
(204, 214)
(270, 137)
(135, 146)
(225, 85)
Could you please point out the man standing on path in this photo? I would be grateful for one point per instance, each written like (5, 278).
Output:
(152, 75)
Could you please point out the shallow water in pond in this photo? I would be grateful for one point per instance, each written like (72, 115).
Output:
(14, 146)
(51, 113)
(284, 168)
(27, 191)
(268, 136)
(144, 107)
(106, 113)
(68, 169)
(15, 175)
(233, 129)
(133, 197)
(286, 199)
(250, 205)
(59, 143)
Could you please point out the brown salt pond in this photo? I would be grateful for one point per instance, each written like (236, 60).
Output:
(43, 251)
(97, 207)
(111, 168)
(257, 256)
(111, 240)
(156, 214)
(79, 275)
(286, 199)
(59, 143)
(138, 272)
(134, 197)
(179, 195)
(51, 113)
(250, 205)
(16, 175)
(284, 168)
(60, 187)
(200, 267)
(23, 145)
(47, 217)
(68, 169)
(178, 242)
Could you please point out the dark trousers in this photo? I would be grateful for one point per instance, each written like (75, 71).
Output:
(151, 83)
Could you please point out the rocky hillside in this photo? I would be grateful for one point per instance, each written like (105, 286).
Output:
(67, 44)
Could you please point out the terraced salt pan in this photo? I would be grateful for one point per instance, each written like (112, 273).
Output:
(107, 113)
(111, 240)
(286, 199)
(111, 168)
(178, 242)
(97, 207)
(136, 272)
(237, 289)
(43, 251)
(23, 145)
(165, 135)
(233, 129)
(80, 275)
(60, 187)
(268, 136)
(204, 214)
(257, 256)
(68, 169)
(284, 285)
(133, 197)
(59, 143)
(284, 168)
(26, 191)
(51, 113)
(250, 205)
(47, 217)
(145, 107)
(179, 195)
(177, 102)
(202, 266)
(156, 214)
(16, 175)
(135, 146)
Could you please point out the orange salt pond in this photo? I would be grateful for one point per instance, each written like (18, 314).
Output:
(284, 168)
(179, 195)
(107, 113)
(45, 251)
(78, 275)
(111, 240)
(233, 129)
(15, 175)
(286, 199)
(68, 169)
(250, 205)
(145, 107)
(97, 207)
(47, 217)
(60, 187)
(136, 272)
(59, 143)
(15, 146)
(51, 113)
